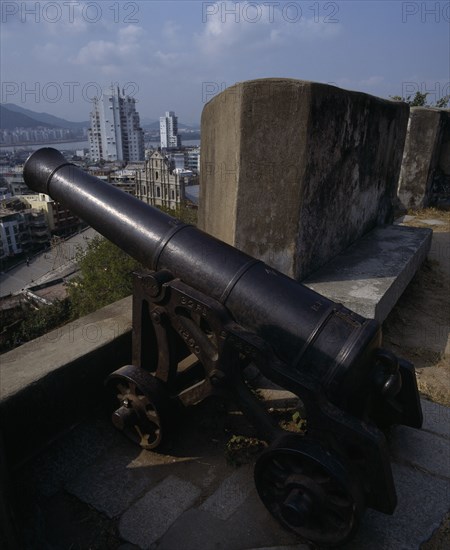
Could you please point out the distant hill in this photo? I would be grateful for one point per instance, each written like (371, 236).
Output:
(41, 119)
(146, 121)
(12, 116)
(10, 120)
(150, 125)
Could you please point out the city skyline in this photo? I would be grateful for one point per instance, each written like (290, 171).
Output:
(177, 55)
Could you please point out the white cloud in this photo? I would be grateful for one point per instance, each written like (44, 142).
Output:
(171, 32)
(169, 59)
(107, 54)
(49, 51)
(95, 52)
(372, 81)
(234, 27)
(130, 34)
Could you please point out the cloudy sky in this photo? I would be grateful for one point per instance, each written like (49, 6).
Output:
(175, 55)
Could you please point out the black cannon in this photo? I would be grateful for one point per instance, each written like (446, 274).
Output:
(205, 313)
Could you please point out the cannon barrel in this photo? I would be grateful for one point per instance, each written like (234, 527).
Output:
(223, 309)
(301, 326)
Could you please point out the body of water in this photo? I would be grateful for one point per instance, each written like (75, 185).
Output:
(66, 146)
(74, 145)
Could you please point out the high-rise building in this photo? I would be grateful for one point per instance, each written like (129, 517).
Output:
(115, 132)
(168, 129)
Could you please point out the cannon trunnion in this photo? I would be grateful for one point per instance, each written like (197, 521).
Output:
(205, 313)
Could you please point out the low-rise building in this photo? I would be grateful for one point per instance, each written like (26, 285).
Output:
(5, 193)
(102, 172)
(14, 181)
(11, 242)
(186, 158)
(192, 159)
(125, 179)
(21, 231)
(60, 220)
(38, 228)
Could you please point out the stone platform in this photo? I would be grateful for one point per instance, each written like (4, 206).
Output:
(371, 274)
(95, 489)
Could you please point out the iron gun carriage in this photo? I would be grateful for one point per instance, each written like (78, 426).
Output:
(203, 313)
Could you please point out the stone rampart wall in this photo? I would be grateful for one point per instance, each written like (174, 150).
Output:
(293, 171)
(425, 173)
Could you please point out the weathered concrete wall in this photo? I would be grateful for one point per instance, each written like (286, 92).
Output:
(51, 382)
(294, 171)
(426, 166)
(440, 191)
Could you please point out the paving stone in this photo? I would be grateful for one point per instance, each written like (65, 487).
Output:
(436, 418)
(251, 526)
(150, 517)
(422, 503)
(258, 528)
(420, 448)
(68, 456)
(231, 493)
(196, 529)
(116, 480)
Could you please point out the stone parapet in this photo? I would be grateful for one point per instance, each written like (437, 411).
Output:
(293, 171)
(425, 173)
(50, 382)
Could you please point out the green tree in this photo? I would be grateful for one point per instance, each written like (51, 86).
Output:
(36, 323)
(420, 100)
(443, 102)
(183, 213)
(106, 271)
(105, 277)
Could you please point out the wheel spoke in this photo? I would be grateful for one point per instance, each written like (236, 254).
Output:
(152, 415)
(123, 391)
(274, 481)
(307, 489)
(338, 517)
(322, 478)
(142, 405)
(338, 500)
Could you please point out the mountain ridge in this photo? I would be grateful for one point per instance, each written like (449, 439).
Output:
(44, 119)
(12, 116)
